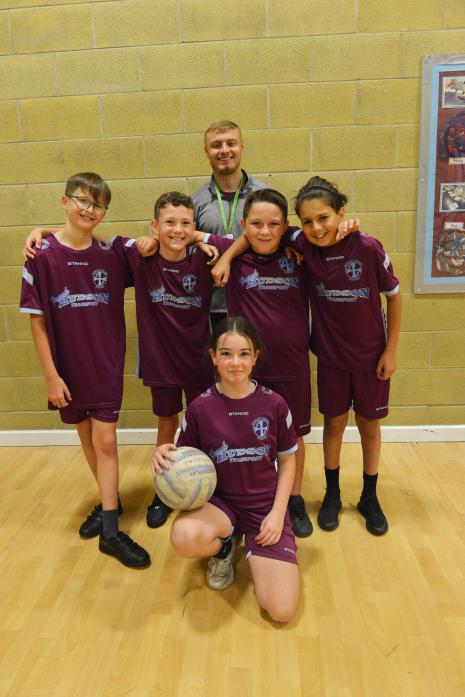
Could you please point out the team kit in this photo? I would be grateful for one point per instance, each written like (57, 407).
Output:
(229, 338)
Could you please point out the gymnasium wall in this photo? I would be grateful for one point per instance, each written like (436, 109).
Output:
(127, 88)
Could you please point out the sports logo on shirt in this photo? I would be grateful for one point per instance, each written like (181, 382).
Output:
(224, 453)
(100, 278)
(66, 298)
(286, 265)
(189, 283)
(260, 427)
(353, 269)
(157, 295)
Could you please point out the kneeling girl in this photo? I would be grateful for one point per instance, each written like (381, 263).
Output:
(245, 429)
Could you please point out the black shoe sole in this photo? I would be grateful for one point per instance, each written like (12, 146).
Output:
(373, 531)
(130, 566)
(326, 527)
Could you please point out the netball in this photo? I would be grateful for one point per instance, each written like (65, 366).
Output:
(190, 481)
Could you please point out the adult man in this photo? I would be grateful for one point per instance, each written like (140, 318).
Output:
(219, 203)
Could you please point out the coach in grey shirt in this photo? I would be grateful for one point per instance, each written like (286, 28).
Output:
(220, 202)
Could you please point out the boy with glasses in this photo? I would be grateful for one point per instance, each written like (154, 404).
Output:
(74, 294)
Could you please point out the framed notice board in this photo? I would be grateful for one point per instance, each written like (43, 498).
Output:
(440, 242)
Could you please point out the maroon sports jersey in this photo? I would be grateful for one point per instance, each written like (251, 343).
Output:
(345, 280)
(81, 294)
(271, 291)
(172, 307)
(243, 437)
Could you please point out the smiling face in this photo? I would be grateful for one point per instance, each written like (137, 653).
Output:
(264, 227)
(84, 213)
(224, 150)
(175, 229)
(320, 222)
(234, 358)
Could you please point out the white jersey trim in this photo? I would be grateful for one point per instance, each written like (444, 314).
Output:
(295, 235)
(31, 311)
(28, 277)
(184, 423)
(394, 291)
(289, 419)
(288, 452)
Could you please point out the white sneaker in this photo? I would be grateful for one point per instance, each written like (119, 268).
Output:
(221, 572)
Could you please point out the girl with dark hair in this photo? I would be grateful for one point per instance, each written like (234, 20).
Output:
(356, 348)
(247, 431)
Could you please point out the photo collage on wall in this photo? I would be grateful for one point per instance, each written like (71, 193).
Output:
(440, 258)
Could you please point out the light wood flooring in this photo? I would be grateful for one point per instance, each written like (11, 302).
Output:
(379, 617)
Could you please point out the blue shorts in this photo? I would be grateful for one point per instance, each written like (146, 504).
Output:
(249, 522)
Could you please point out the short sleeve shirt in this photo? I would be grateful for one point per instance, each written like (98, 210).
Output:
(81, 295)
(271, 291)
(243, 437)
(172, 307)
(345, 281)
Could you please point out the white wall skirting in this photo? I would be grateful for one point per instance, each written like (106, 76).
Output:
(147, 436)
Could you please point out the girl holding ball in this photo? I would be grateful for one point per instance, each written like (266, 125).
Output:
(247, 431)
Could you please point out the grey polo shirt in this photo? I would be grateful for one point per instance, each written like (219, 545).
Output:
(208, 219)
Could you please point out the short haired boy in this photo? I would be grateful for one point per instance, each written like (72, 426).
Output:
(74, 294)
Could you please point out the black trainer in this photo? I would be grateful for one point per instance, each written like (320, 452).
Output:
(370, 509)
(328, 516)
(93, 524)
(157, 513)
(301, 523)
(125, 550)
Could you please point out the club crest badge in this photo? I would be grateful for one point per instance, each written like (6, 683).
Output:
(189, 283)
(100, 278)
(286, 265)
(353, 269)
(260, 427)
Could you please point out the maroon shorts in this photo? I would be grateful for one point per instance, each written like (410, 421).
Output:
(167, 401)
(298, 396)
(338, 390)
(249, 523)
(74, 415)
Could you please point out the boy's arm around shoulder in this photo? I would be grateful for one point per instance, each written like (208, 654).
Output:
(222, 269)
(34, 240)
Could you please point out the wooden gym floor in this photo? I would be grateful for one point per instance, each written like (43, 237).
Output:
(378, 618)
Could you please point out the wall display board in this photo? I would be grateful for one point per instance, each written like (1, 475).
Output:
(440, 245)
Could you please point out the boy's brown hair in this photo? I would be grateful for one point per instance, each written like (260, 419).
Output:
(91, 182)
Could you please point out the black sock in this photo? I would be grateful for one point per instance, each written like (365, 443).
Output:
(332, 479)
(110, 522)
(369, 484)
(226, 546)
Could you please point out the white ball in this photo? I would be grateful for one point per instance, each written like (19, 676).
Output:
(190, 481)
